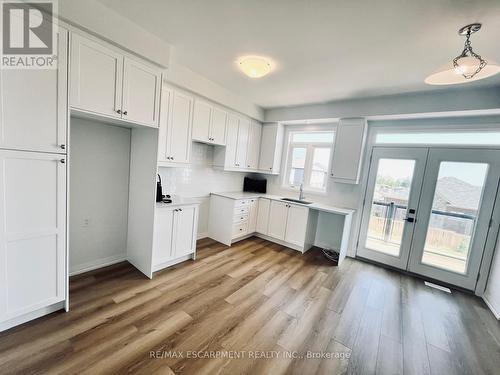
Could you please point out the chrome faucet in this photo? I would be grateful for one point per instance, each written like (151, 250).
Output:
(301, 192)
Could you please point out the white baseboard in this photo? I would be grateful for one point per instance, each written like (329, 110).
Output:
(99, 263)
(493, 310)
(31, 316)
(202, 235)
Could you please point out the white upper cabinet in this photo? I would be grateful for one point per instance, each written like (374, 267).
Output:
(33, 105)
(105, 82)
(242, 143)
(271, 147)
(141, 93)
(209, 123)
(32, 232)
(201, 121)
(96, 77)
(253, 145)
(348, 152)
(174, 139)
(218, 126)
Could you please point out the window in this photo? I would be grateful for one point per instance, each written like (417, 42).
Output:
(308, 162)
(458, 137)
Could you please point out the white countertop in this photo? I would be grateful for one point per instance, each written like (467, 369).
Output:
(312, 206)
(178, 201)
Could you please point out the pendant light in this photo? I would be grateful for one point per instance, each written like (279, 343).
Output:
(466, 67)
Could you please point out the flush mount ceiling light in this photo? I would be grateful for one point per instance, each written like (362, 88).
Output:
(255, 66)
(466, 67)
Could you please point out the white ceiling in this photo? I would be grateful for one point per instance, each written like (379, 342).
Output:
(325, 50)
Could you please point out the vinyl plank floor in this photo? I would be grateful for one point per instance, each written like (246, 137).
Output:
(256, 308)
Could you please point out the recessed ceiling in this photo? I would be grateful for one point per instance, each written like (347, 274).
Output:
(324, 50)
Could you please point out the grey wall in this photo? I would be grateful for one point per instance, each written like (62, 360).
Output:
(99, 181)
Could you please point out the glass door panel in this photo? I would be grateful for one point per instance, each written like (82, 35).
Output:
(453, 217)
(458, 195)
(394, 183)
(389, 205)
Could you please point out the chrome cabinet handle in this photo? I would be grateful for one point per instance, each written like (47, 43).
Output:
(119, 111)
(62, 161)
(125, 113)
(63, 147)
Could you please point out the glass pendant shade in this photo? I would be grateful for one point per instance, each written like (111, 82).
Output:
(449, 75)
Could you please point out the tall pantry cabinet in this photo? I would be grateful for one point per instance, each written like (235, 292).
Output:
(33, 185)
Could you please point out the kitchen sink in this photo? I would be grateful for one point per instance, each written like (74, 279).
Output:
(295, 201)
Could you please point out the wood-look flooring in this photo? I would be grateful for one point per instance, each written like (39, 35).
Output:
(265, 304)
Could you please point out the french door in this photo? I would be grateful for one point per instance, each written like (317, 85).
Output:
(427, 210)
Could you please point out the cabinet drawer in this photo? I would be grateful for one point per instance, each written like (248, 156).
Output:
(242, 203)
(241, 210)
(240, 229)
(240, 218)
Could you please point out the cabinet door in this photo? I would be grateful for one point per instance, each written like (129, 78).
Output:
(141, 93)
(185, 225)
(348, 151)
(164, 131)
(32, 232)
(231, 141)
(201, 121)
(180, 128)
(218, 126)
(277, 219)
(263, 216)
(296, 224)
(33, 105)
(252, 216)
(163, 235)
(242, 144)
(96, 77)
(271, 146)
(254, 145)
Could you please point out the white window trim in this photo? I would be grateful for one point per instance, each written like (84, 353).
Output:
(308, 162)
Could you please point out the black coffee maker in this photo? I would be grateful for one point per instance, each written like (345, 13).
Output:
(159, 192)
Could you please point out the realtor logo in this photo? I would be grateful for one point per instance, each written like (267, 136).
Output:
(28, 35)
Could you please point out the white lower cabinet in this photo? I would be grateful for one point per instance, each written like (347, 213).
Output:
(175, 232)
(263, 216)
(232, 220)
(32, 233)
(253, 208)
(277, 220)
(296, 224)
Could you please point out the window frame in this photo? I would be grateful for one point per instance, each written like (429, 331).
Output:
(310, 147)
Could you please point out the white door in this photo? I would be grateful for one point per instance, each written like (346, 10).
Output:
(277, 219)
(163, 235)
(180, 128)
(201, 121)
(252, 216)
(254, 145)
(141, 93)
(218, 126)
(457, 202)
(296, 224)
(96, 77)
(32, 231)
(185, 219)
(33, 105)
(428, 210)
(242, 144)
(394, 184)
(263, 216)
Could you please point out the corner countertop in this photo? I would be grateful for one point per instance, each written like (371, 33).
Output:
(178, 201)
(313, 206)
